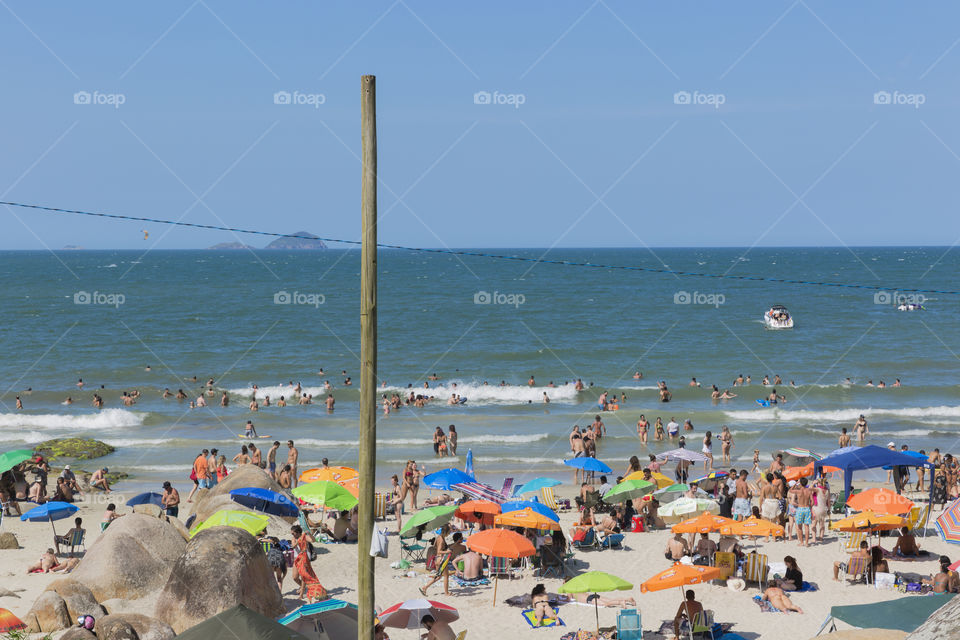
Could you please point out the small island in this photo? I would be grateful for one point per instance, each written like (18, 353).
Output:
(298, 240)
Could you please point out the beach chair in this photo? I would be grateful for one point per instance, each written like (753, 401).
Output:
(379, 506)
(462, 635)
(726, 562)
(551, 562)
(852, 543)
(612, 541)
(549, 499)
(628, 625)
(917, 519)
(856, 569)
(702, 624)
(412, 551)
(302, 521)
(589, 540)
(507, 486)
(499, 567)
(76, 540)
(755, 569)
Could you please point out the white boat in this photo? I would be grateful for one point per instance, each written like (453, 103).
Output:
(909, 306)
(778, 318)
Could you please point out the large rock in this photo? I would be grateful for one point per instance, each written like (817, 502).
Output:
(246, 475)
(78, 598)
(131, 559)
(146, 628)
(115, 628)
(942, 623)
(8, 541)
(78, 633)
(49, 613)
(221, 568)
(74, 448)
(276, 525)
(181, 528)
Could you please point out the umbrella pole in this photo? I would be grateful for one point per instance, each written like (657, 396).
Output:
(496, 580)
(50, 518)
(596, 610)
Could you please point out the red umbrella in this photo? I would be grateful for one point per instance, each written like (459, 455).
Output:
(10, 622)
(407, 615)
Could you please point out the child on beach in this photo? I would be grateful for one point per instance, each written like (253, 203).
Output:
(756, 461)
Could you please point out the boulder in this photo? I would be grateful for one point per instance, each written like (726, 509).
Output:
(74, 448)
(942, 623)
(146, 628)
(115, 628)
(48, 613)
(78, 633)
(131, 559)
(9, 541)
(245, 475)
(181, 528)
(78, 598)
(220, 568)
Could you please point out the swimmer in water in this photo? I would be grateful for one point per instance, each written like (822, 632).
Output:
(775, 397)
(637, 375)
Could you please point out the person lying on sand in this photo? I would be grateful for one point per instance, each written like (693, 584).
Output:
(46, 562)
(442, 499)
(779, 599)
(588, 598)
(541, 605)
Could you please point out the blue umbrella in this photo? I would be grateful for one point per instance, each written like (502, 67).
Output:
(337, 618)
(146, 498)
(536, 505)
(265, 501)
(444, 478)
(50, 511)
(535, 485)
(588, 464)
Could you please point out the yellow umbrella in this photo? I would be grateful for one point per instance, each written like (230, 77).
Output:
(252, 523)
(869, 521)
(527, 518)
(661, 480)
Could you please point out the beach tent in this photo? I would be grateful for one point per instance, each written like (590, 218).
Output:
(905, 614)
(850, 459)
(240, 623)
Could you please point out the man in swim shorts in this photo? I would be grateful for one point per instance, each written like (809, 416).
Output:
(803, 516)
(741, 505)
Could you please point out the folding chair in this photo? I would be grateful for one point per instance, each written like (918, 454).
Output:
(628, 625)
(76, 540)
(856, 569)
(917, 520)
(549, 499)
(551, 562)
(726, 562)
(755, 569)
(851, 544)
(612, 541)
(412, 552)
(379, 506)
(589, 540)
(507, 486)
(499, 567)
(702, 624)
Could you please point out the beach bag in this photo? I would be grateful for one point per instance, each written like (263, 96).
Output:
(432, 563)
(311, 552)
(193, 475)
(379, 543)
(580, 535)
(884, 581)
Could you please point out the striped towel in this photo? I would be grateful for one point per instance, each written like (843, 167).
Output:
(480, 491)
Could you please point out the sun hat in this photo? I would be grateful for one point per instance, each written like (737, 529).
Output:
(66, 467)
(736, 584)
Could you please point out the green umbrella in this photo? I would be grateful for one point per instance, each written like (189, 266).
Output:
(671, 493)
(10, 459)
(252, 523)
(629, 490)
(327, 494)
(427, 519)
(595, 582)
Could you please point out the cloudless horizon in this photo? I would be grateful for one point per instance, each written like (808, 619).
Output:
(548, 125)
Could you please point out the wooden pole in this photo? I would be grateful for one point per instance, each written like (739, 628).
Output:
(368, 355)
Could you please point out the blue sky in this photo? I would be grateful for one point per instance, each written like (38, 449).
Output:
(601, 152)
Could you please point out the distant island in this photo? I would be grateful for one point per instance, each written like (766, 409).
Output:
(298, 240)
(72, 247)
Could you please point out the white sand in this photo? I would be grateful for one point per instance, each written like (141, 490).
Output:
(642, 558)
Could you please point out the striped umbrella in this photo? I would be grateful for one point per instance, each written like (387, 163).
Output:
(479, 491)
(797, 457)
(948, 524)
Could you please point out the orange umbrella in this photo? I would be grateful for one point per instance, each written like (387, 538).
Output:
(526, 518)
(869, 521)
(795, 473)
(704, 523)
(333, 474)
(500, 543)
(478, 511)
(10, 622)
(752, 527)
(880, 501)
(681, 575)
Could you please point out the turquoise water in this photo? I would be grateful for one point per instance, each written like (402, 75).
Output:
(213, 315)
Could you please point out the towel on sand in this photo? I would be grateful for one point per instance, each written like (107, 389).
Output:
(470, 583)
(765, 605)
(546, 622)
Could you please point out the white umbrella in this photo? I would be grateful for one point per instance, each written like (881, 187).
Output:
(685, 507)
(682, 454)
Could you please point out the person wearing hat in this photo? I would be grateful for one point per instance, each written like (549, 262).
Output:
(99, 479)
(170, 500)
(71, 480)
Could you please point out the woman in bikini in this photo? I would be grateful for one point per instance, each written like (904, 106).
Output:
(642, 427)
(407, 487)
(726, 443)
(658, 429)
(540, 603)
(708, 451)
(395, 500)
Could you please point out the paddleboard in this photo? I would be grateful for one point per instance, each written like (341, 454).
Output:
(240, 435)
(763, 403)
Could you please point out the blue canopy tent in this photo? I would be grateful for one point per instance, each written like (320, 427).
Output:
(850, 459)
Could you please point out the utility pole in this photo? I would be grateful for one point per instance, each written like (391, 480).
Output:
(368, 355)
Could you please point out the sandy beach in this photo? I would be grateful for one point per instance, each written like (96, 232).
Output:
(641, 558)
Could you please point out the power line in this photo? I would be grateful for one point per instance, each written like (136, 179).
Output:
(480, 254)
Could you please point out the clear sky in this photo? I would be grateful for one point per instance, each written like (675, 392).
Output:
(587, 139)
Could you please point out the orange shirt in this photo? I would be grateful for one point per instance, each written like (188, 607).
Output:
(200, 468)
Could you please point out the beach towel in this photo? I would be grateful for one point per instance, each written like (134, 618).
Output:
(462, 582)
(546, 622)
(807, 586)
(765, 605)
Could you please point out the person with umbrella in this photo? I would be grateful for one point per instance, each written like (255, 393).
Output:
(688, 609)
(170, 500)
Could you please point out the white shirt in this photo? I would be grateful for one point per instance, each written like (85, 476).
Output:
(672, 427)
(604, 488)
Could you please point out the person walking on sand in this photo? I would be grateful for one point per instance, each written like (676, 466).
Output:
(292, 456)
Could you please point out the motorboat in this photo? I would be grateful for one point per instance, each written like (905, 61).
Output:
(777, 317)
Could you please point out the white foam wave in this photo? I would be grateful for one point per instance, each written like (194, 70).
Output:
(841, 415)
(477, 394)
(419, 442)
(106, 419)
(275, 391)
(137, 442)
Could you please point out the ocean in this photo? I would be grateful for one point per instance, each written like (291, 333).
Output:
(273, 318)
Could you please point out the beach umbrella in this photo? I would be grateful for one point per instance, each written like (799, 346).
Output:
(671, 492)
(588, 464)
(478, 511)
(333, 474)
(500, 543)
(527, 518)
(629, 490)
(50, 511)
(880, 501)
(535, 485)
(10, 459)
(687, 507)
(796, 456)
(595, 582)
(10, 622)
(407, 615)
(265, 501)
(446, 478)
(704, 523)
(479, 491)
(337, 619)
(948, 524)
(682, 454)
(756, 527)
(150, 497)
(252, 523)
(326, 493)
(680, 576)
(795, 473)
(536, 505)
(869, 521)
(426, 519)
(710, 481)
(657, 477)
